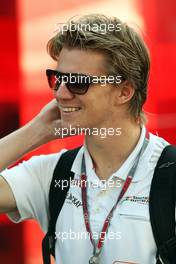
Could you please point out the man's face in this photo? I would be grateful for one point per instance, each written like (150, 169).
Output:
(96, 106)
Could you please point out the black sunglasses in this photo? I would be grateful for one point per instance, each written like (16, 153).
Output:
(75, 83)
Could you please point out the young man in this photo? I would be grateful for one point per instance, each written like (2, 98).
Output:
(128, 154)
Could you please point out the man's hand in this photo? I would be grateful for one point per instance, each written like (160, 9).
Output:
(40, 130)
(49, 119)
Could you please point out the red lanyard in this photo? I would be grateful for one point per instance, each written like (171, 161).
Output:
(108, 218)
(97, 248)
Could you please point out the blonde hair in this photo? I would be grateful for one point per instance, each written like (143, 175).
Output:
(125, 52)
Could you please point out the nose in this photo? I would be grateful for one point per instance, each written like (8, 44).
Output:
(63, 92)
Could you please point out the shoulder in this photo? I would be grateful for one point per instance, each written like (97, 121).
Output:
(157, 146)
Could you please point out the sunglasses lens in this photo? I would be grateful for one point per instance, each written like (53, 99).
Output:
(53, 79)
(78, 84)
(75, 83)
(78, 88)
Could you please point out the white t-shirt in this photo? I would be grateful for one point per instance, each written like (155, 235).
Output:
(129, 237)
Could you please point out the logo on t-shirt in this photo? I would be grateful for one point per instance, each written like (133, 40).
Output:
(75, 201)
(137, 199)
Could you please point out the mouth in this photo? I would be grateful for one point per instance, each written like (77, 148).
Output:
(68, 110)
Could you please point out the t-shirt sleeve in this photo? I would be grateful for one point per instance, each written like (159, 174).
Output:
(30, 183)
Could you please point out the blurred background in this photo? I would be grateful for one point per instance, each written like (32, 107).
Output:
(25, 28)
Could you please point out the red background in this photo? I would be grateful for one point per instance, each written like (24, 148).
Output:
(22, 95)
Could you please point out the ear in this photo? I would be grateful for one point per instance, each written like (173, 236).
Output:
(125, 92)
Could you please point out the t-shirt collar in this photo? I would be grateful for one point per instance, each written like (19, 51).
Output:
(122, 172)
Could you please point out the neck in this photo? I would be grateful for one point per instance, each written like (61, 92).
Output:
(109, 153)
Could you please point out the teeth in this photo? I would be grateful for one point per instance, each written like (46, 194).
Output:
(70, 109)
